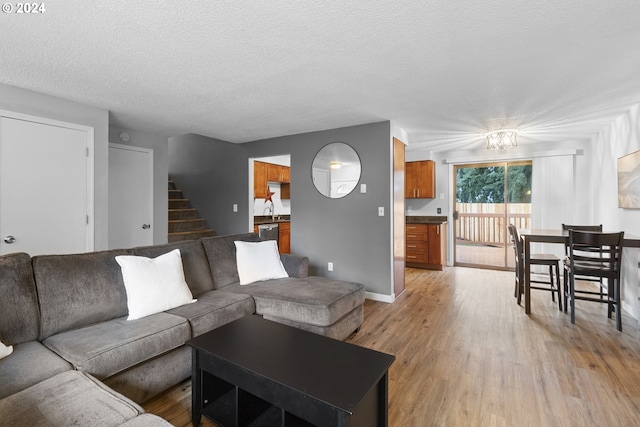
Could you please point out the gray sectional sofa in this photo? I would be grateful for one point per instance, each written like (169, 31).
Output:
(66, 317)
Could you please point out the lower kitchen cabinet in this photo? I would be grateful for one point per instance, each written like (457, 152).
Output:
(426, 246)
(284, 241)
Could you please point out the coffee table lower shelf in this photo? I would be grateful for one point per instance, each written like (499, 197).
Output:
(229, 405)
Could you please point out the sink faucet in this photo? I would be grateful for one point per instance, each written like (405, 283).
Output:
(270, 209)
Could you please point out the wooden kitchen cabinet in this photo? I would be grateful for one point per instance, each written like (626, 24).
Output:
(278, 173)
(416, 244)
(426, 246)
(259, 179)
(285, 173)
(420, 180)
(263, 173)
(285, 191)
(284, 238)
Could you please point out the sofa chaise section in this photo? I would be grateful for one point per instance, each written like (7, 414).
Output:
(317, 304)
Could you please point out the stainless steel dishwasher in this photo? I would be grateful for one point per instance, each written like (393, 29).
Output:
(268, 231)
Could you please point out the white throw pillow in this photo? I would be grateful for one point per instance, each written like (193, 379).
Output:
(5, 350)
(154, 284)
(258, 261)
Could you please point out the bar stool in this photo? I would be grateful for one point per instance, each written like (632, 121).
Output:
(549, 260)
(599, 256)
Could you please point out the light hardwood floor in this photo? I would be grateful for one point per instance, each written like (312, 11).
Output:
(467, 355)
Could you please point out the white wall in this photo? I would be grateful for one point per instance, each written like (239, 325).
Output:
(620, 138)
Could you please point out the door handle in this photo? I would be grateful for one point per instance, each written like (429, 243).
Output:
(9, 239)
(146, 226)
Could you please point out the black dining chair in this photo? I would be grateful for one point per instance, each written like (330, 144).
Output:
(548, 260)
(595, 255)
(566, 227)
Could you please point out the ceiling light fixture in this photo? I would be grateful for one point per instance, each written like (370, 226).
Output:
(335, 165)
(501, 139)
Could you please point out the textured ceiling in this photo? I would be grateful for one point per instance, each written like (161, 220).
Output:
(445, 71)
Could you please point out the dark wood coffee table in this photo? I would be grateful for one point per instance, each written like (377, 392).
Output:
(254, 372)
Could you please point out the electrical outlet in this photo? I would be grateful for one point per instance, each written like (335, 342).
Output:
(235, 207)
(439, 210)
(330, 266)
(381, 211)
(363, 188)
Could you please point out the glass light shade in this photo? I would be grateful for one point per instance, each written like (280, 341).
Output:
(501, 139)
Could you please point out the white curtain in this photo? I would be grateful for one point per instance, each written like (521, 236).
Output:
(552, 196)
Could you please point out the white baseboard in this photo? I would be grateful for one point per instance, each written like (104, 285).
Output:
(379, 297)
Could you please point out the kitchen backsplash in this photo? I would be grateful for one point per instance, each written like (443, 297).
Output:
(281, 207)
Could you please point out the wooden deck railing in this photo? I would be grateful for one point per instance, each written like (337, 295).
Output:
(489, 228)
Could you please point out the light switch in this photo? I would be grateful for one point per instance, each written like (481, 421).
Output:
(363, 188)
(235, 207)
(381, 211)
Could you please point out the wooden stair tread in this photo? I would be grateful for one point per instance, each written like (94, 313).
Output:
(184, 222)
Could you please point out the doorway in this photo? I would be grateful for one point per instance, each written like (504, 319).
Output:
(489, 197)
(46, 186)
(130, 196)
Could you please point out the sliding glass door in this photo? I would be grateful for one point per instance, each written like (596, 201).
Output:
(488, 197)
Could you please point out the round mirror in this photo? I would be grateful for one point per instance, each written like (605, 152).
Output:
(336, 170)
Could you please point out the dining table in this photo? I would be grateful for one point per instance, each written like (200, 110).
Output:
(539, 235)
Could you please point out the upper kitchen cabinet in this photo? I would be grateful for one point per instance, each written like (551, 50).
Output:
(420, 180)
(259, 179)
(278, 173)
(269, 172)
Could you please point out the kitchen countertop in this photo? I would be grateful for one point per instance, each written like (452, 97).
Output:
(267, 219)
(440, 219)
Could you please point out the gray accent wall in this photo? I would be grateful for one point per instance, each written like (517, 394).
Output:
(214, 175)
(346, 231)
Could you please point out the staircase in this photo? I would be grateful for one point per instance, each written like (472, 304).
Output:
(184, 223)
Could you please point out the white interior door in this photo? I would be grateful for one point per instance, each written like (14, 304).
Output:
(322, 181)
(44, 187)
(130, 196)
